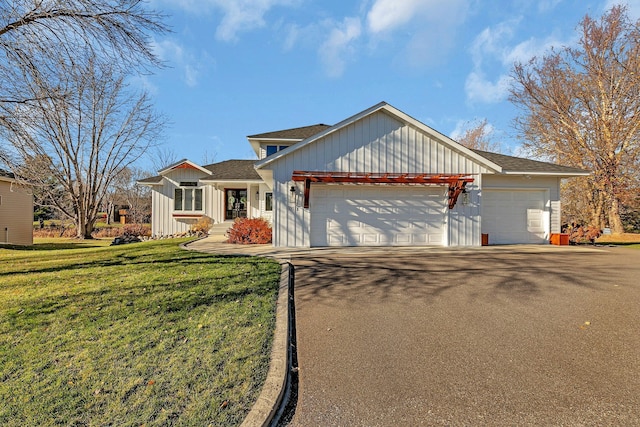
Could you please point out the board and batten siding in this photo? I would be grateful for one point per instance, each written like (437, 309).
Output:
(376, 143)
(162, 221)
(531, 182)
(16, 214)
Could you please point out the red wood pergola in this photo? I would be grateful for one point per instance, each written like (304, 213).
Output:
(456, 182)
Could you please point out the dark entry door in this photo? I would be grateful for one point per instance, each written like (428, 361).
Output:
(236, 203)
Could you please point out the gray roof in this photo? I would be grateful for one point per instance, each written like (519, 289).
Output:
(295, 133)
(232, 170)
(228, 170)
(519, 164)
(151, 180)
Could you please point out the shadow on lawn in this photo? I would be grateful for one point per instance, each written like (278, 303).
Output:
(54, 246)
(136, 256)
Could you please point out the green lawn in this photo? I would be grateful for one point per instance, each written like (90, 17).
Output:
(141, 334)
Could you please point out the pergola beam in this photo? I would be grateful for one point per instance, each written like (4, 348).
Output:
(456, 182)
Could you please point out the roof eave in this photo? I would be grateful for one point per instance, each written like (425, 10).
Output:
(150, 184)
(275, 139)
(217, 180)
(550, 173)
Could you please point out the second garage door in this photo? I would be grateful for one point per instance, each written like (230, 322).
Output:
(359, 215)
(515, 216)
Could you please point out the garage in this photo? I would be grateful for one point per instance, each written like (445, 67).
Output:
(377, 215)
(515, 216)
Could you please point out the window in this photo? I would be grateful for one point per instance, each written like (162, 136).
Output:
(187, 199)
(268, 201)
(273, 149)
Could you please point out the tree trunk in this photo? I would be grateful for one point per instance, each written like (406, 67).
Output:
(615, 221)
(110, 210)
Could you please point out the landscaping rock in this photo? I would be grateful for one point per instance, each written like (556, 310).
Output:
(123, 240)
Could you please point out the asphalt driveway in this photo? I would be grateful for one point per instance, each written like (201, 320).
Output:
(491, 336)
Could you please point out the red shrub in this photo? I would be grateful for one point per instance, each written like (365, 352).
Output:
(247, 231)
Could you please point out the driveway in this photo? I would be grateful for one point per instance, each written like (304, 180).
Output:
(490, 336)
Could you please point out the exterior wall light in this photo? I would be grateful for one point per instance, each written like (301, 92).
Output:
(292, 195)
(465, 197)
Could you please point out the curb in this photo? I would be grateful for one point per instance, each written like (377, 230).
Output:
(276, 389)
(275, 385)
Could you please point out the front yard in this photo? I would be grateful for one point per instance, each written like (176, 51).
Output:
(142, 334)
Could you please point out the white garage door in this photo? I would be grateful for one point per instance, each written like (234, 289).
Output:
(514, 216)
(359, 215)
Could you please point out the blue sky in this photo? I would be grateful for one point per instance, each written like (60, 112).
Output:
(241, 67)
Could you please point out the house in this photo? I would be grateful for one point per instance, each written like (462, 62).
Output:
(378, 178)
(16, 211)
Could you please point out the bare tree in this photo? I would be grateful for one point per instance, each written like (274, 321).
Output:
(581, 107)
(161, 157)
(83, 140)
(37, 35)
(477, 135)
(136, 197)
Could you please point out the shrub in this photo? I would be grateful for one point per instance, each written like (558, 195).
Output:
(136, 230)
(203, 225)
(49, 232)
(247, 231)
(107, 232)
(582, 234)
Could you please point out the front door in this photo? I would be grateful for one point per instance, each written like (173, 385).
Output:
(235, 203)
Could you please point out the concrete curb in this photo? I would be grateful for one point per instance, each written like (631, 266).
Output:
(275, 385)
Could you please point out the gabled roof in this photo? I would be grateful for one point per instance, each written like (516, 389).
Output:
(228, 170)
(517, 165)
(183, 164)
(389, 109)
(299, 133)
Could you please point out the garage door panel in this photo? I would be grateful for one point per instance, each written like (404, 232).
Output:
(514, 216)
(385, 215)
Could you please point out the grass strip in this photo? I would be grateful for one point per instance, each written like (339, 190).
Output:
(142, 334)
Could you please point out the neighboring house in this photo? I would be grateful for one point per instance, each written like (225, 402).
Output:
(378, 178)
(16, 211)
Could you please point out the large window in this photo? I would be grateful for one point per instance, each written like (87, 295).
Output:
(187, 199)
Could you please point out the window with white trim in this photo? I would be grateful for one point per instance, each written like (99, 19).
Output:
(187, 198)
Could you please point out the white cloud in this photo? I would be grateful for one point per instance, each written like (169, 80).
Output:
(480, 89)
(177, 56)
(493, 53)
(387, 15)
(336, 49)
(427, 28)
(237, 15)
(244, 15)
